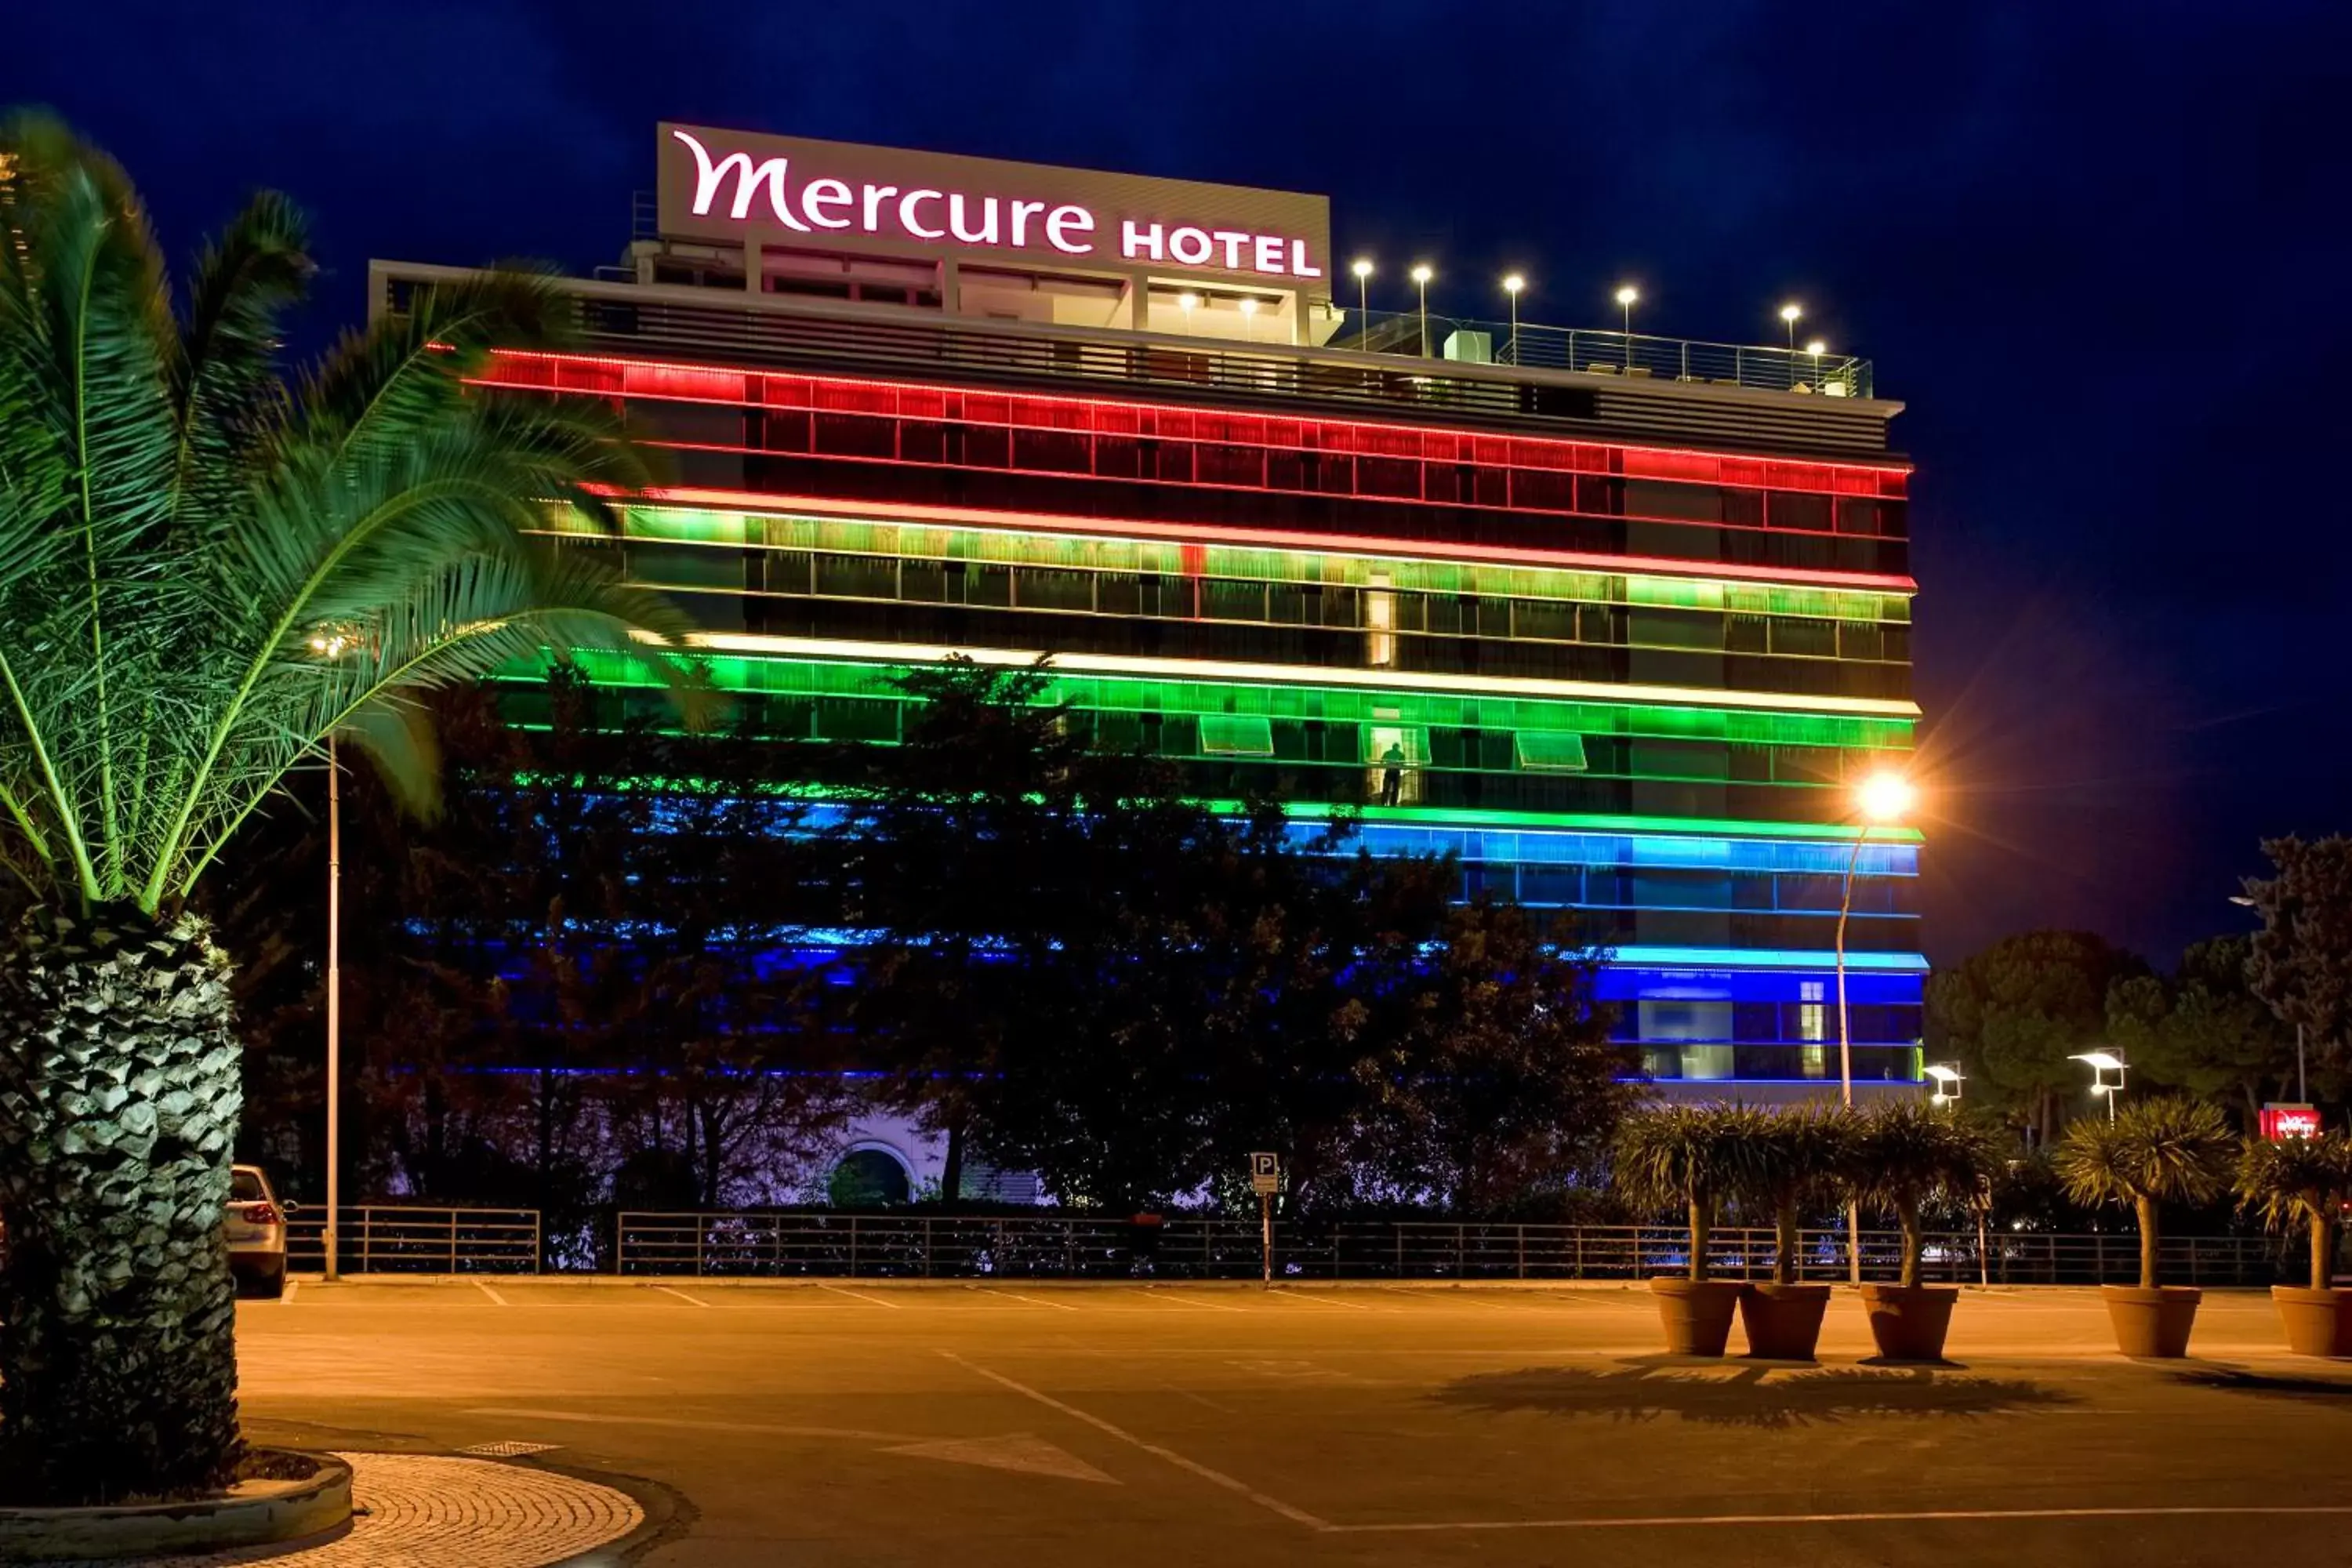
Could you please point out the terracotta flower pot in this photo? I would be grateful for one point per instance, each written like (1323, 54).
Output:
(2317, 1322)
(2152, 1322)
(1695, 1313)
(1783, 1322)
(1909, 1322)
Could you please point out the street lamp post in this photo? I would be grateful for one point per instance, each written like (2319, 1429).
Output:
(330, 1235)
(1187, 302)
(1363, 271)
(2102, 1063)
(1511, 286)
(1249, 317)
(1626, 295)
(1790, 314)
(1421, 276)
(1882, 798)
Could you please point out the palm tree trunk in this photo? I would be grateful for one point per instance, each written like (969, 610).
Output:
(2322, 1250)
(1788, 1244)
(1914, 1242)
(118, 1099)
(2146, 1208)
(1702, 1229)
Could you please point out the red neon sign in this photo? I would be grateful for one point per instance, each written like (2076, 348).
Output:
(2280, 1122)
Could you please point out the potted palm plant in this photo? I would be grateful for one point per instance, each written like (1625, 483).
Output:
(2305, 1182)
(1689, 1157)
(1799, 1152)
(2151, 1152)
(1904, 1156)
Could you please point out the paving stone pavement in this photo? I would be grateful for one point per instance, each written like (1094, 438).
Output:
(428, 1510)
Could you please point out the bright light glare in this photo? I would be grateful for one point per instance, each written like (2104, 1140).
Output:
(2099, 1061)
(1362, 268)
(1627, 294)
(1249, 306)
(1884, 797)
(1942, 1073)
(1514, 283)
(1187, 301)
(1816, 348)
(1791, 311)
(1423, 274)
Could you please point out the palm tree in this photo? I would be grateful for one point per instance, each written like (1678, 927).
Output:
(206, 572)
(1689, 1157)
(1800, 1153)
(2300, 1182)
(2155, 1150)
(1906, 1155)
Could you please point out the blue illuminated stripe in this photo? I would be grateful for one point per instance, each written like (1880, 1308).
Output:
(1768, 958)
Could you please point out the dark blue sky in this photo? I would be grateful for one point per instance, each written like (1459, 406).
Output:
(2101, 251)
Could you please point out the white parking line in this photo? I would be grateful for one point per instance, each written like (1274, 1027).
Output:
(1180, 1303)
(287, 1299)
(493, 1295)
(1319, 1301)
(682, 1295)
(1216, 1477)
(1925, 1516)
(878, 1301)
(1037, 1300)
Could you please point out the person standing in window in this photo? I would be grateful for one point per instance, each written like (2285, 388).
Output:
(1391, 773)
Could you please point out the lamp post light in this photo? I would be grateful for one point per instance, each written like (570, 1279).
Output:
(1249, 317)
(2101, 1064)
(1626, 297)
(1816, 348)
(1362, 268)
(1512, 284)
(1881, 798)
(1421, 274)
(333, 646)
(1790, 314)
(1947, 1079)
(1187, 302)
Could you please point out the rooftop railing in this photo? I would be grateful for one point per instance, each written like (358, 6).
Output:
(1467, 341)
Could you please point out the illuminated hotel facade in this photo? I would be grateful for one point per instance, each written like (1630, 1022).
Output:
(1616, 620)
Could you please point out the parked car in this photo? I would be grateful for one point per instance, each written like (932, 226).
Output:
(255, 1228)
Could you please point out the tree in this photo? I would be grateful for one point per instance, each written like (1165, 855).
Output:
(2301, 961)
(203, 573)
(2305, 1182)
(1906, 1155)
(1689, 1157)
(2157, 1149)
(2203, 1029)
(2015, 1012)
(1800, 1153)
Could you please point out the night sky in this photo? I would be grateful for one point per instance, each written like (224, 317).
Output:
(2101, 251)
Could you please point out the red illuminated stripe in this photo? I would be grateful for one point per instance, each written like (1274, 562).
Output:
(1277, 539)
(711, 383)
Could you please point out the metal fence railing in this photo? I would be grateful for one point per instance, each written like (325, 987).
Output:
(870, 1246)
(386, 1238)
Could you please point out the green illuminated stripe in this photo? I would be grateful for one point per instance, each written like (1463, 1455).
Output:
(925, 542)
(815, 678)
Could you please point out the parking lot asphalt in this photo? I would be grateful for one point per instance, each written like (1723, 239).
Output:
(852, 1422)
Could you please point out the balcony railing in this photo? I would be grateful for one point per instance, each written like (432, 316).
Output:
(1636, 357)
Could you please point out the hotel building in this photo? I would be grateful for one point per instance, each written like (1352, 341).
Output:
(1615, 619)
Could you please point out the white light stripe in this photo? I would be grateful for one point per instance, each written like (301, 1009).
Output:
(682, 1296)
(493, 1295)
(1296, 675)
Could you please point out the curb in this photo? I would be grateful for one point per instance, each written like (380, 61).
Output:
(296, 1510)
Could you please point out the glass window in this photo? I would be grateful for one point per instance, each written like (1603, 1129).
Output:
(1541, 751)
(1237, 735)
(1224, 599)
(1046, 588)
(857, 576)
